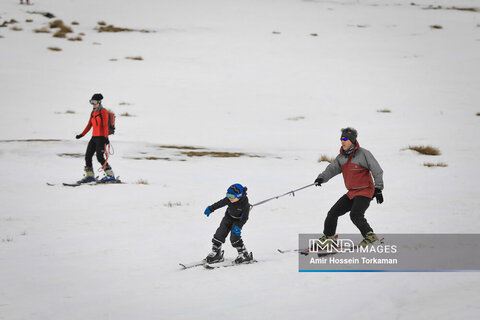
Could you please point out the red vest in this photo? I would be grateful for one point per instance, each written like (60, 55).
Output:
(358, 180)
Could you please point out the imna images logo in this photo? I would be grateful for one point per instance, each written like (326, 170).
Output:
(346, 245)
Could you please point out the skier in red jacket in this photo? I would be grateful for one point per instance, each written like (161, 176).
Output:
(98, 144)
(357, 166)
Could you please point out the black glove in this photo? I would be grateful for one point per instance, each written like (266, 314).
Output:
(318, 182)
(378, 195)
(78, 136)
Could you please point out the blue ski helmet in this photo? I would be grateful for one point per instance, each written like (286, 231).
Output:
(235, 191)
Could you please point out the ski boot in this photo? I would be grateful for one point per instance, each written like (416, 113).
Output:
(243, 256)
(89, 176)
(109, 176)
(370, 237)
(215, 256)
(324, 243)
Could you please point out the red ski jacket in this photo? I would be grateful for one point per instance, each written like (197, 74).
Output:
(99, 123)
(357, 169)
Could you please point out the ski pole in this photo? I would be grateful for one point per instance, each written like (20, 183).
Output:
(282, 195)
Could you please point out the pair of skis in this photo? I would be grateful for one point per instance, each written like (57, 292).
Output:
(220, 264)
(92, 183)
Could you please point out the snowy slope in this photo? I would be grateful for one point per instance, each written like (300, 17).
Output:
(231, 76)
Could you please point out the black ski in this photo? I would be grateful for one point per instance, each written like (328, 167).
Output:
(196, 264)
(227, 264)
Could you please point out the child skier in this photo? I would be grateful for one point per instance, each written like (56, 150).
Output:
(357, 166)
(98, 144)
(235, 218)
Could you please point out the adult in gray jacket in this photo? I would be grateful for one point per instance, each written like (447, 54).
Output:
(357, 166)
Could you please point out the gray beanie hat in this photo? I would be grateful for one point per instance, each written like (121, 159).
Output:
(350, 133)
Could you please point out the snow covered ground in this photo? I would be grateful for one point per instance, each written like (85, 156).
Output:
(275, 80)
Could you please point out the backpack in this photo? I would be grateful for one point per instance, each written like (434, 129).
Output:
(111, 120)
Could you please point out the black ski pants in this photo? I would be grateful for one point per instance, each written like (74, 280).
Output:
(357, 207)
(226, 225)
(95, 145)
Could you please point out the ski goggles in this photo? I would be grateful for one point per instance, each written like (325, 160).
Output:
(232, 196)
(343, 139)
(94, 102)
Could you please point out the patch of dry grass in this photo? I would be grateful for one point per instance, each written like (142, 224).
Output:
(384, 111)
(16, 28)
(45, 14)
(438, 164)
(29, 20)
(142, 181)
(56, 24)
(77, 38)
(151, 158)
(42, 30)
(217, 154)
(464, 9)
(296, 118)
(180, 147)
(470, 9)
(426, 150)
(326, 158)
(436, 26)
(62, 29)
(172, 204)
(6, 23)
(478, 114)
(75, 23)
(138, 58)
(71, 155)
(60, 34)
(126, 114)
(276, 32)
(54, 49)
(111, 28)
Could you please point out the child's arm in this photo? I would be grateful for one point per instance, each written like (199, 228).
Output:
(218, 204)
(215, 206)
